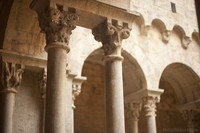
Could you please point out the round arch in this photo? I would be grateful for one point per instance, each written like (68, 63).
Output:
(92, 97)
(181, 86)
(184, 80)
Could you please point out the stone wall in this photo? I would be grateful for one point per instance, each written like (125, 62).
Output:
(28, 105)
(90, 104)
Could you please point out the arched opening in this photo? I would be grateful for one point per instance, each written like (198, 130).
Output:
(181, 87)
(90, 104)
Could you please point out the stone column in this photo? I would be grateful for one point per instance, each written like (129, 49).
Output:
(57, 24)
(42, 87)
(111, 34)
(150, 110)
(133, 110)
(11, 76)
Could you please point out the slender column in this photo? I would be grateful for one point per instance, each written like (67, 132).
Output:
(57, 24)
(11, 75)
(133, 110)
(150, 110)
(111, 35)
(42, 87)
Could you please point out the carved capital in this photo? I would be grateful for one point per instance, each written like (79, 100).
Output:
(111, 35)
(57, 24)
(11, 76)
(150, 105)
(133, 109)
(76, 88)
(42, 83)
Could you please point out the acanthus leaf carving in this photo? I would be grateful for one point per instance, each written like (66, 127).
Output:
(11, 76)
(42, 83)
(57, 24)
(76, 90)
(150, 105)
(134, 110)
(111, 36)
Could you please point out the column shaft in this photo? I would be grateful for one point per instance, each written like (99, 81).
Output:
(56, 78)
(114, 97)
(151, 124)
(8, 112)
(11, 75)
(111, 33)
(133, 126)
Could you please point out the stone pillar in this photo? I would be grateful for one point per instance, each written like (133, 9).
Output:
(111, 34)
(42, 87)
(57, 24)
(150, 112)
(133, 109)
(76, 90)
(11, 76)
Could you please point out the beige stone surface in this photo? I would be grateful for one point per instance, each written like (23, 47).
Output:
(28, 105)
(147, 56)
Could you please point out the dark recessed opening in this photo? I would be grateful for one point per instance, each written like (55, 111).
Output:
(173, 7)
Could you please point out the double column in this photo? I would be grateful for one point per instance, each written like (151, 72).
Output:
(111, 34)
(57, 24)
(11, 76)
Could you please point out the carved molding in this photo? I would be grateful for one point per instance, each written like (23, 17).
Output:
(185, 42)
(166, 36)
(57, 24)
(150, 105)
(76, 88)
(134, 110)
(11, 76)
(111, 34)
(42, 83)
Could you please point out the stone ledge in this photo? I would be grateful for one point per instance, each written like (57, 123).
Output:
(23, 59)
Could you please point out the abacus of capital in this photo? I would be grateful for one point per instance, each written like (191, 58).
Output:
(111, 34)
(11, 76)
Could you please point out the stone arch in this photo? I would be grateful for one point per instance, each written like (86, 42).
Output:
(22, 33)
(5, 7)
(93, 91)
(195, 36)
(184, 81)
(181, 86)
(160, 24)
(133, 75)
